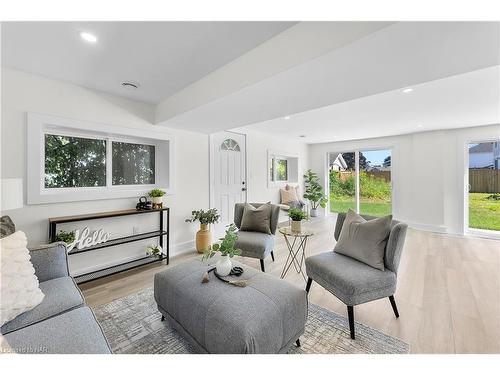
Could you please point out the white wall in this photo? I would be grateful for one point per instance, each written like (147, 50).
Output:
(22, 92)
(258, 145)
(428, 172)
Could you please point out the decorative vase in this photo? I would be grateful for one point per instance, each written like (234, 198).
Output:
(157, 200)
(224, 265)
(314, 212)
(296, 226)
(203, 238)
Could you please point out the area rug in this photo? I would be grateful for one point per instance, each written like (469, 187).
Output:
(132, 324)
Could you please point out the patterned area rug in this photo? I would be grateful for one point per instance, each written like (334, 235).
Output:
(132, 325)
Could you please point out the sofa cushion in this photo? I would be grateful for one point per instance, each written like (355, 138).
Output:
(364, 240)
(60, 295)
(256, 219)
(351, 281)
(19, 290)
(74, 332)
(255, 244)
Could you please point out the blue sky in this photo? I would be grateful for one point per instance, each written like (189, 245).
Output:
(376, 157)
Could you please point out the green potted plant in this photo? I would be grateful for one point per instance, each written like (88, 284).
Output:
(67, 237)
(157, 197)
(154, 251)
(204, 236)
(297, 215)
(226, 249)
(314, 192)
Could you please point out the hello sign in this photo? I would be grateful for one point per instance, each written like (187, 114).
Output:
(83, 239)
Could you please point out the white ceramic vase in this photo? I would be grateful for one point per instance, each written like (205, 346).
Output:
(314, 212)
(157, 200)
(296, 226)
(224, 266)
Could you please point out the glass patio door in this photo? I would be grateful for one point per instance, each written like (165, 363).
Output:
(361, 181)
(484, 186)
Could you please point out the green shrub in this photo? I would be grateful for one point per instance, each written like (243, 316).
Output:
(371, 187)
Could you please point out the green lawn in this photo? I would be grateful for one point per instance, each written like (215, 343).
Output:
(484, 213)
(368, 206)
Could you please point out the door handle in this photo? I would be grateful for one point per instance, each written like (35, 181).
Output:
(243, 189)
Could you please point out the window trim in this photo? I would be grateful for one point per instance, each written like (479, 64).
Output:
(38, 125)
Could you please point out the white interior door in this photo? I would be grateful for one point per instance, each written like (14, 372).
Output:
(228, 175)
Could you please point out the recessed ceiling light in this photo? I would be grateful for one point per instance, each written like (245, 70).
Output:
(287, 117)
(420, 126)
(88, 37)
(407, 90)
(130, 85)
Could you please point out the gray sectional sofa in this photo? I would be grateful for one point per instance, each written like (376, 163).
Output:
(61, 323)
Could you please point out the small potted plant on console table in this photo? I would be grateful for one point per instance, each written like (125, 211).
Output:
(204, 236)
(297, 215)
(157, 198)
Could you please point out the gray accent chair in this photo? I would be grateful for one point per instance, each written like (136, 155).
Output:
(61, 323)
(354, 282)
(256, 244)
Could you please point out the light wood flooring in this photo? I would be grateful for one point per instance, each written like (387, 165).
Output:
(448, 291)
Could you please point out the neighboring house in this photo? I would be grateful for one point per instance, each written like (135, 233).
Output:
(337, 162)
(485, 155)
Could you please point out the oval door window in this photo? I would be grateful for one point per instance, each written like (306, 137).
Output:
(230, 145)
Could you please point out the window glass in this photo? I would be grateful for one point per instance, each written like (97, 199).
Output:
(133, 164)
(281, 170)
(74, 162)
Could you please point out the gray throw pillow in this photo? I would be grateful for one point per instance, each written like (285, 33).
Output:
(364, 240)
(256, 219)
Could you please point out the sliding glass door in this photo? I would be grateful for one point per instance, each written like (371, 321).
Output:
(361, 181)
(342, 168)
(484, 186)
(375, 182)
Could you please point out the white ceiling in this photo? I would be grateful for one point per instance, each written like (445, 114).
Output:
(402, 54)
(163, 57)
(469, 99)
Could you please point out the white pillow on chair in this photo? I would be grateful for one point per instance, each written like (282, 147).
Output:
(20, 290)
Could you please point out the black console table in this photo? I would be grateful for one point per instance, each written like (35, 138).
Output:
(160, 233)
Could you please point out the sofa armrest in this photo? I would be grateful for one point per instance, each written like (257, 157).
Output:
(50, 261)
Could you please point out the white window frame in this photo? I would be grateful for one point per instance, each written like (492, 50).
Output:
(275, 169)
(272, 156)
(40, 125)
(467, 230)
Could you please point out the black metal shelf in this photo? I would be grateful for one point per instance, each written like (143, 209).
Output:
(116, 241)
(119, 241)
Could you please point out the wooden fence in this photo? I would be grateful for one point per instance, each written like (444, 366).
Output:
(384, 175)
(484, 180)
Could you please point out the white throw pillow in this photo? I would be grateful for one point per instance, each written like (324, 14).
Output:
(20, 291)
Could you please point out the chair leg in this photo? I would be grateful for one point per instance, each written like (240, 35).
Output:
(272, 255)
(262, 265)
(308, 286)
(394, 307)
(350, 313)
(297, 343)
(162, 318)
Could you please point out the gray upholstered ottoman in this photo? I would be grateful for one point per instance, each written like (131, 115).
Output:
(267, 316)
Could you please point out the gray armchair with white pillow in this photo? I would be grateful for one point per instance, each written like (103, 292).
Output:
(61, 323)
(257, 224)
(364, 264)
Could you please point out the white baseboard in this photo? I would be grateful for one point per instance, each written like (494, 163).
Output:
(183, 247)
(427, 227)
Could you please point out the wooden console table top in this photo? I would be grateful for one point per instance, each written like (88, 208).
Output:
(102, 215)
